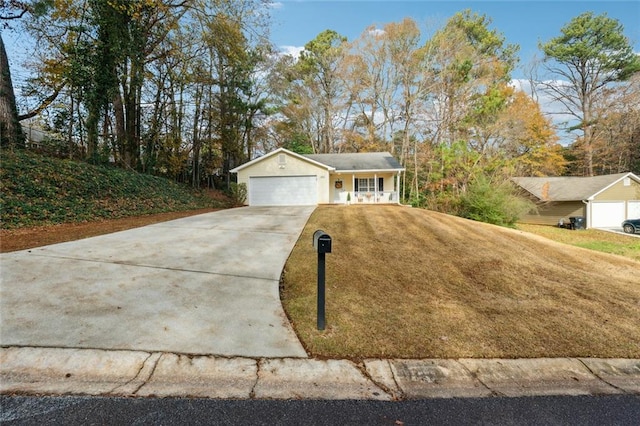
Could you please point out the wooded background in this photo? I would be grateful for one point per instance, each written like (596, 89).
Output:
(189, 89)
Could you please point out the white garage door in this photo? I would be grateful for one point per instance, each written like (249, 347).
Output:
(283, 191)
(607, 214)
(633, 211)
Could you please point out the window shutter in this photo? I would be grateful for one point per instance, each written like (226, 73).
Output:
(380, 184)
(355, 181)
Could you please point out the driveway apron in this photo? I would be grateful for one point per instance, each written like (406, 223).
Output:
(205, 284)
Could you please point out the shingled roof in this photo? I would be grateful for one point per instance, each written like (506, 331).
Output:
(350, 162)
(569, 188)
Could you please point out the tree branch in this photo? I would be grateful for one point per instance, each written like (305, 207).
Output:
(21, 6)
(44, 104)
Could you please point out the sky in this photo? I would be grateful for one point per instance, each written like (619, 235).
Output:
(522, 22)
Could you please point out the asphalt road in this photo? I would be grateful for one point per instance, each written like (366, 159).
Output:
(556, 410)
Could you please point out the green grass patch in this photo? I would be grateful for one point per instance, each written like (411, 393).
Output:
(592, 239)
(37, 190)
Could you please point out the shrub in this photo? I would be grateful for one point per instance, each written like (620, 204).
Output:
(498, 204)
(238, 193)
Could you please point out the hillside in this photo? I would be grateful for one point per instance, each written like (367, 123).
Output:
(37, 190)
(405, 282)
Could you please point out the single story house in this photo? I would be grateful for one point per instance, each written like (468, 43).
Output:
(604, 201)
(34, 135)
(283, 177)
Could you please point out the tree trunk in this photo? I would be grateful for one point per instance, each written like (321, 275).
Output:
(195, 152)
(587, 134)
(118, 110)
(10, 130)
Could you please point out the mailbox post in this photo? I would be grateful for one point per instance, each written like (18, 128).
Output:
(322, 244)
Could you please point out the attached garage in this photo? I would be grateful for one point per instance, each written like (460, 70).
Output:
(607, 214)
(283, 191)
(284, 178)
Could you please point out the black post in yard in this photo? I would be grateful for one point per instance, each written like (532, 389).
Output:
(322, 244)
(321, 290)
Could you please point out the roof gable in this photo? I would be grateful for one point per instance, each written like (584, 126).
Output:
(280, 151)
(570, 188)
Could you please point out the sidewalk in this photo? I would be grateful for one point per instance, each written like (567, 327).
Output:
(160, 374)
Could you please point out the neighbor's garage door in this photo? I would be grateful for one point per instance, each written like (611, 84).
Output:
(283, 191)
(607, 214)
(633, 211)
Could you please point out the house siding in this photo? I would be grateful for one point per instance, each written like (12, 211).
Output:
(292, 167)
(619, 192)
(551, 213)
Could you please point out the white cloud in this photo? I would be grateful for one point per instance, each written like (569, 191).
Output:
(376, 32)
(291, 50)
(276, 5)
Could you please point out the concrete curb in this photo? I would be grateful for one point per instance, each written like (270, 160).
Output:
(59, 371)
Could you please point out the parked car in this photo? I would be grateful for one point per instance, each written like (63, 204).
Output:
(631, 226)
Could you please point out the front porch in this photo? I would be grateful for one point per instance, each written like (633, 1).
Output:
(365, 188)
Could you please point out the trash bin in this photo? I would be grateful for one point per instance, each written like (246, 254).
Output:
(577, 222)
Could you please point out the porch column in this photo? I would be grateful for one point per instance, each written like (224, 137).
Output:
(398, 187)
(375, 187)
(353, 186)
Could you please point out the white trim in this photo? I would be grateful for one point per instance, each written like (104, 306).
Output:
(628, 175)
(587, 208)
(279, 151)
(368, 171)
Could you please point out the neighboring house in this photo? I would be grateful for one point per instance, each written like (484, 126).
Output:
(34, 135)
(604, 201)
(285, 178)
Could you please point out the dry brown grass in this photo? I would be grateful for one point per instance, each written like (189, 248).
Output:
(37, 236)
(413, 283)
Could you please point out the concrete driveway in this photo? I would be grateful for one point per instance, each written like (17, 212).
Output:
(205, 284)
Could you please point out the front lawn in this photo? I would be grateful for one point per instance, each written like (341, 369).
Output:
(412, 283)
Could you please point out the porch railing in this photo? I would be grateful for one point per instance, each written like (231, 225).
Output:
(370, 197)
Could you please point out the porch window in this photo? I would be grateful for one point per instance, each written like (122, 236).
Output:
(368, 185)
